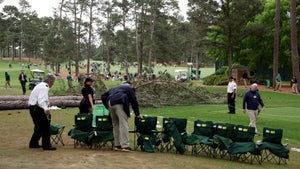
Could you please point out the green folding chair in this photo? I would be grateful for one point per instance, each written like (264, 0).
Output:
(82, 130)
(146, 133)
(271, 146)
(174, 135)
(56, 131)
(102, 136)
(243, 148)
(201, 138)
(222, 139)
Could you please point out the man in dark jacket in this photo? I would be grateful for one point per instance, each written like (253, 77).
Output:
(23, 80)
(117, 101)
(253, 100)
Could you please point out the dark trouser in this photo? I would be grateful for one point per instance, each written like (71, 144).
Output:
(231, 103)
(23, 84)
(41, 127)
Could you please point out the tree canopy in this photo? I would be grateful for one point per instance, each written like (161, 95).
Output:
(145, 32)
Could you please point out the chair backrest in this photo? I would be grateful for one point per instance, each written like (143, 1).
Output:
(83, 121)
(146, 125)
(224, 129)
(103, 123)
(179, 123)
(243, 133)
(99, 110)
(204, 128)
(272, 135)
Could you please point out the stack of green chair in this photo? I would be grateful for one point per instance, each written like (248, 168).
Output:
(271, 146)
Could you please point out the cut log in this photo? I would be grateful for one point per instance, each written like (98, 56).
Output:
(21, 102)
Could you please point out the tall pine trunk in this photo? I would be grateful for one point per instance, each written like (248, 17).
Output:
(276, 41)
(295, 57)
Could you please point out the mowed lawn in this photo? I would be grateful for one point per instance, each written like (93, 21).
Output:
(282, 111)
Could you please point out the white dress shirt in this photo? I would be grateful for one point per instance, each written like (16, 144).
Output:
(231, 87)
(39, 96)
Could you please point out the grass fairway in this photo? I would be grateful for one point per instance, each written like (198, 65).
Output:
(16, 128)
(282, 111)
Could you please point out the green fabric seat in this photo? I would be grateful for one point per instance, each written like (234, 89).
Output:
(201, 138)
(99, 110)
(148, 136)
(243, 148)
(271, 146)
(174, 134)
(56, 131)
(83, 127)
(83, 122)
(224, 133)
(102, 133)
(80, 137)
(103, 123)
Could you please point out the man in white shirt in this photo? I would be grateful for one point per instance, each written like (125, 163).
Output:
(231, 94)
(39, 111)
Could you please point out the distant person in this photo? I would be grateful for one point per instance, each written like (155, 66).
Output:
(252, 99)
(231, 95)
(70, 82)
(7, 79)
(278, 82)
(80, 79)
(117, 100)
(245, 78)
(39, 111)
(23, 80)
(294, 85)
(87, 103)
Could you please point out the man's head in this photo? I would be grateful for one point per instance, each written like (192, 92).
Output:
(126, 83)
(253, 87)
(50, 79)
(231, 78)
(88, 80)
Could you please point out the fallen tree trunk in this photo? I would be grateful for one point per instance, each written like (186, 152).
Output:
(21, 102)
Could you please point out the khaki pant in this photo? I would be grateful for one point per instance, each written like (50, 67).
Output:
(278, 86)
(120, 125)
(252, 116)
(295, 88)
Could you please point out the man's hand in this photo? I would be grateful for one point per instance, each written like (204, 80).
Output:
(47, 112)
(140, 117)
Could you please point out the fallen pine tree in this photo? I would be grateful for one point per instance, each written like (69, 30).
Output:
(21, 102)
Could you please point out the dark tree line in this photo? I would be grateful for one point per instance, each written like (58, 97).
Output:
(153, 31)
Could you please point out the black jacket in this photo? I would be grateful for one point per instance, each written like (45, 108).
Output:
(123, 94)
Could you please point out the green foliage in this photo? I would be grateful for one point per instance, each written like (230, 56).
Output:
(220, 77)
